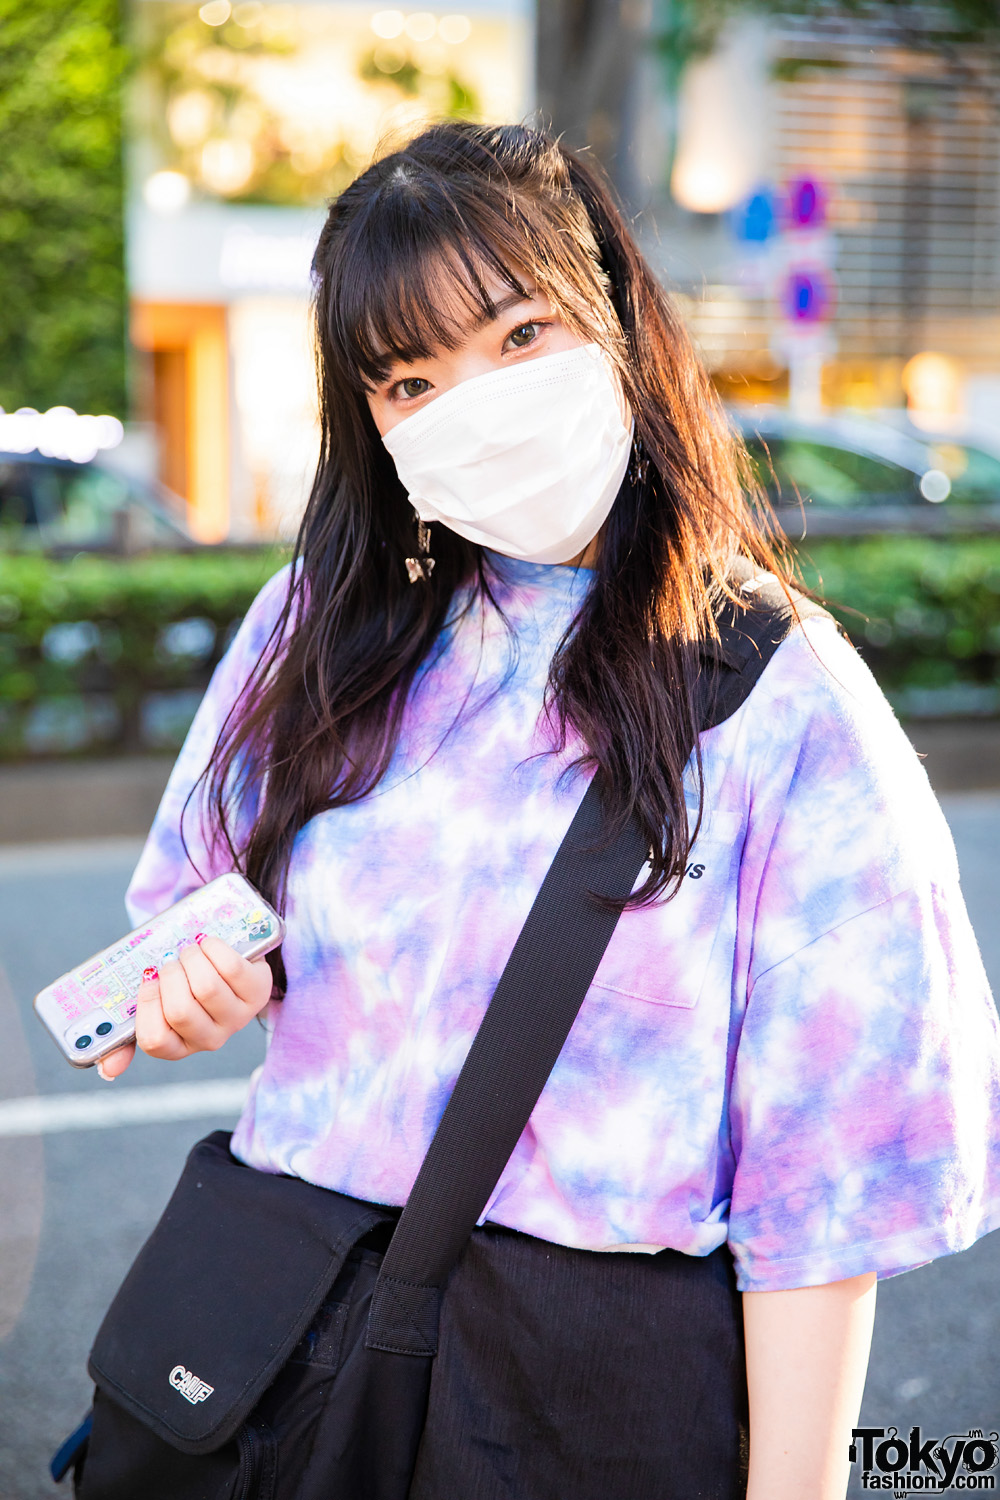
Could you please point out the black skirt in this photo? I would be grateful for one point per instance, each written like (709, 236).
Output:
(611, 1376)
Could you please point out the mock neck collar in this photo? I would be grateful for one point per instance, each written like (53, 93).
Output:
(554, 577)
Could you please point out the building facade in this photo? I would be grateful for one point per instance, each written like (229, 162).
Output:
(897, 127)
(246, 119)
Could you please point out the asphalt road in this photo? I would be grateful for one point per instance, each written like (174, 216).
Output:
(77, 1199)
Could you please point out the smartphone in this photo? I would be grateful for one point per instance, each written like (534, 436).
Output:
(90, 1011)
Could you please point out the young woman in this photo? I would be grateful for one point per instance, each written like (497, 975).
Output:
(527, 503)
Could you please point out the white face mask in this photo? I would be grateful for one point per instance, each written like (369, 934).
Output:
(526, 460)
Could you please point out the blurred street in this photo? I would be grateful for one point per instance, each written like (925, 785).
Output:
(75, 1203)
(77, 1199)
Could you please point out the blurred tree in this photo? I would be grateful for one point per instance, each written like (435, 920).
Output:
(62, 279)
(587, 52)
(205, 100)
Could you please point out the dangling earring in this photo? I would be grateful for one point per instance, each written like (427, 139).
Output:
(638, 469)
(421, 566)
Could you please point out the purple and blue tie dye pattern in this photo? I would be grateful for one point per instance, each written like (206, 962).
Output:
(799, 1052)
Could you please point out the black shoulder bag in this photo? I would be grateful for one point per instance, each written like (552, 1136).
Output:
(274, 1339)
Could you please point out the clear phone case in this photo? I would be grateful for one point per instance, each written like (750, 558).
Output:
(90, 1011)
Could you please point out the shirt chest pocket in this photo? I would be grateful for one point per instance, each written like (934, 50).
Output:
(661, 953)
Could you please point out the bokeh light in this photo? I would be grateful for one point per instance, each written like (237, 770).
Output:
(227, 165)
(216, 12)
(190, 117)
(58, 433)
(166, 192)
(388, 24)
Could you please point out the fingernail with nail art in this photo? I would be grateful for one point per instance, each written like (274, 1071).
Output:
(199, 937)
(170, 953)
(150, 973)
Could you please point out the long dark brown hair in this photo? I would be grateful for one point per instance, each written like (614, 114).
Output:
(317, 725)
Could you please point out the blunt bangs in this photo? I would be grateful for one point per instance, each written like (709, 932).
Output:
(408, 275)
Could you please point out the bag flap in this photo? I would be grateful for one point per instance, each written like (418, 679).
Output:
(220, 1294)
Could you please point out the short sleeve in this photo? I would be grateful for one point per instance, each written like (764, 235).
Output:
(180, 855)
(865, 1100)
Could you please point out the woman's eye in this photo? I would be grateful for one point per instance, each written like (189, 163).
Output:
(414, 386)
(523, 335)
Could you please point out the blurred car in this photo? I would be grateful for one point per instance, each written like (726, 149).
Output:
(842, 474)
(968, 454)
(57, 505)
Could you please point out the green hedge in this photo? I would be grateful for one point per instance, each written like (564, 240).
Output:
(924, 611)
(102, 655)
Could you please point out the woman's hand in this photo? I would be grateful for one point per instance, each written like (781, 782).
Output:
(194, 1004)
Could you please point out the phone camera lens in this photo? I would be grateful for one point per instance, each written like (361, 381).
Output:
(83, 1042)
(104, 1028)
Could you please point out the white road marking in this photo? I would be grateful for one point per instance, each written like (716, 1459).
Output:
(46, 1113)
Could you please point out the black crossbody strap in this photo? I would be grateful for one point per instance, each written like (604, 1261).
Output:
(748, 638)
(535, 1003)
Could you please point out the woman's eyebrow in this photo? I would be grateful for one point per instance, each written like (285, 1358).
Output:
(505, 304)
(481, 320)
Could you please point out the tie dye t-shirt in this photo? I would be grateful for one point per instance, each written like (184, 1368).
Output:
(798, 1053)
